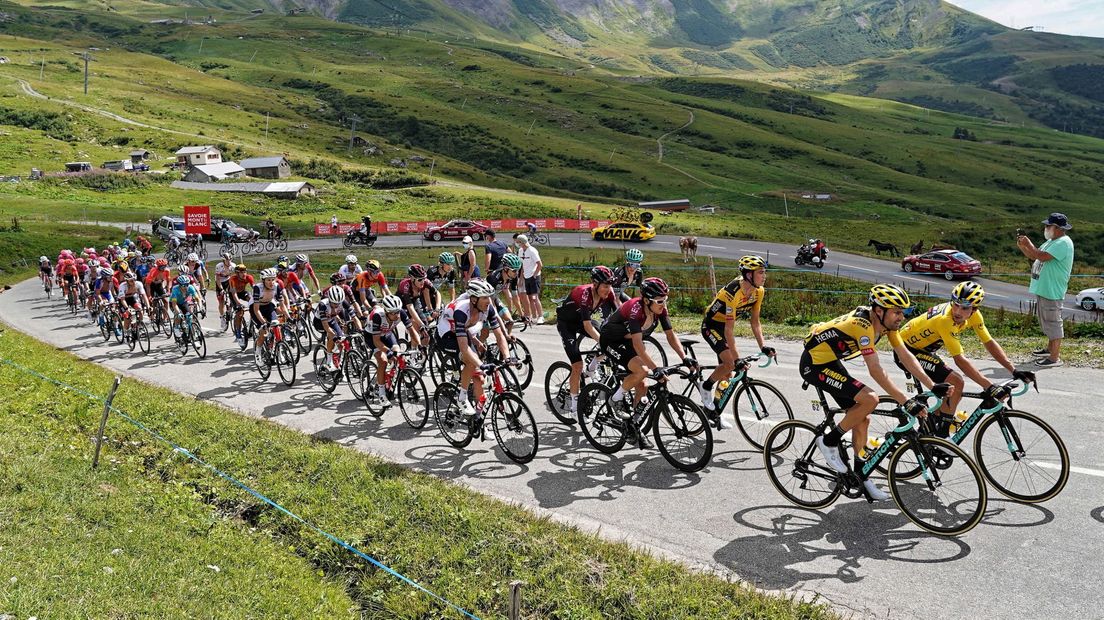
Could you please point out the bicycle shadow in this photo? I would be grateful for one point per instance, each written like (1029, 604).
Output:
(846, 536)
(445, 461)
(1097, 514)
(1001, 512)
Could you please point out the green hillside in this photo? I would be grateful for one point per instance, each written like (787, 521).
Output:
(515, 118)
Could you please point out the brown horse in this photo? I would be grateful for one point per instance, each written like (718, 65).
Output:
(917, 247)
(689, 247)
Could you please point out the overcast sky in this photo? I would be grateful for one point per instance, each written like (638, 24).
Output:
(1080, 17)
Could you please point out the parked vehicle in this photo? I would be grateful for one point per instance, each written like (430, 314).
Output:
(119, 165)
(456, 229)
(950, 264)
(1091, 299)
(169, 226)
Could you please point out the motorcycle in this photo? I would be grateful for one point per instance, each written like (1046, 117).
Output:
(355, 238)
(805, 256)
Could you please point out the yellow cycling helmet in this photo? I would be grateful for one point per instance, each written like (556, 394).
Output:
(968, 294)
(889, 296)
(751, 263)
(374, 265)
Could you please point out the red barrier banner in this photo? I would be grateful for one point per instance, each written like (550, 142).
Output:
(197, 220)
(385, 228)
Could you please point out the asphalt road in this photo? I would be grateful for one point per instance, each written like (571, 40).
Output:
(864, 268)
(1021, 562)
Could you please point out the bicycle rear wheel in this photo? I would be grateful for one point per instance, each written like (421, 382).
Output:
(602, 426)
(368, 391)
(682, 434)
(354, 366)
(557, 391)
(285, 363)
(514, 428)
(413, 398)
(525, 371)
(326, 377)
(949, 497)
(1021, 456)
(131, 337)
(655, 350)
(795, 466)
(758, 407)
(454, 425)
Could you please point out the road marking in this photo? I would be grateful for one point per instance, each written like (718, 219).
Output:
(997, 295)
(715, 247)
(859, 268)
(1076, 470)
(665, 242)
(913, 279)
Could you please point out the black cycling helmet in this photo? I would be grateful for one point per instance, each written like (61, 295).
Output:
(601, 274)
(416, 271)
(654, 288)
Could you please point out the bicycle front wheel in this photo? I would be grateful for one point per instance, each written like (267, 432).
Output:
(285, 363)
(601, 424)
(758, 407)
(655, 351)
(949, 495)
(260, 362)
(454, 425)
(143, 337)
(199, 341)
(521, 352)
(1021, 456)
(557, 391)
(413, 398)
(682, 434)
(795, 466)
(514, 428)
(369, 392)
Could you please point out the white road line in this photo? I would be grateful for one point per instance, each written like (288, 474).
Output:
(715, 247)
(997, 295)
(913, 279)
(1076, 470)
(665, 242)
(859, 268)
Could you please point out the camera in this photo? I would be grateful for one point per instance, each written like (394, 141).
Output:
(1019, 232)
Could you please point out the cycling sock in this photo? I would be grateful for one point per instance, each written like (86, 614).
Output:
(707, 384)
(593, 365)
(833, 436)
(619, 394)
(574, 400)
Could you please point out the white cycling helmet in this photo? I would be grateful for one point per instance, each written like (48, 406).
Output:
(301, 258)
(43, 259)
(192, 258)
(336, 294)
(267, 274)
(227, 255)
(392, 303)
(106, 273)
(185, 270)
(478, 287)
(352, 259)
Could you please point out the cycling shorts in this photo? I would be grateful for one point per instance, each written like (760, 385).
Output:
(69, 279)
(713, 333)
(157, 289)
(571, 335)
(131, 301)
(832, 378)
(267, 311)
(387, 339)
(619, 350)
(932, 364)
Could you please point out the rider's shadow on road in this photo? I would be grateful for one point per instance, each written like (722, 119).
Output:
(1098, 514)
(828, 544)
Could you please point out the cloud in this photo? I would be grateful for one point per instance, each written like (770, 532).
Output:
(1077, 17)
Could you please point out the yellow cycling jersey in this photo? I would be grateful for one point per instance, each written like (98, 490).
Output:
(842, 338)
(936, 328)
(731, 300)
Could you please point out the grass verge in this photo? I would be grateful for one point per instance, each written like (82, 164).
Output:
(171, 518)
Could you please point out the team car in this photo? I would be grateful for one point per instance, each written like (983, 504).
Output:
(456, 229)
(950, 264)
(1091, 299)
(624, 231)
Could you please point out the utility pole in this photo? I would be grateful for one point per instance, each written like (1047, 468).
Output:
(42, 68)
(266, 127)
(201, 44)
(530, 130)
(352, 131)
(86, 57)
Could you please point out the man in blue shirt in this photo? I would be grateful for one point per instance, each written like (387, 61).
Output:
(495, 250)
(1050, 277)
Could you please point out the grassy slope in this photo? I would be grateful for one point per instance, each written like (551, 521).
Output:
(468, 552)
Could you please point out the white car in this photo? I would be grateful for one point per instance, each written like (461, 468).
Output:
(1091, 299)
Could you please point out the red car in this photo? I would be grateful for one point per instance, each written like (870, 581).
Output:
(456, 229)
(951, 263)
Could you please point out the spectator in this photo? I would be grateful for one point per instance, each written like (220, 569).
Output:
(530, 279)
(469, 264)
(1050, 276)
(495, 250)
(333, 224)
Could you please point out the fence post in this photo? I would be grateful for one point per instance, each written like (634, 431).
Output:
(515, 600)
(712, 274)
(103, 420)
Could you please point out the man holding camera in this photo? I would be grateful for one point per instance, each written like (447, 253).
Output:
(1050, 275)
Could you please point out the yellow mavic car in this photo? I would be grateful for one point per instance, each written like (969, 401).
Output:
(624, 231)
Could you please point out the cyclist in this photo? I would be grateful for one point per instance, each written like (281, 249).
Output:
(171, 245)
(103, 288)
(182, 295)
(573, 321)
(365, 280)
(444, 274)
(142, 267)
(132, 296)
(356, 313)
(469, 264)
(845, 337)
(629, 274)
(531, 227)
(292, 284)
(458, 331)
(144, 246)
(504, 280)
(418, 296)
(269, 301)
(67, 270)
(45, 271)
(332, 311)
(381, 337)
(622, 339)
(303, 269)
(351, 267)
(198, 271)
(240, 286)
(223, 270)
(743, 295)
(941, 327)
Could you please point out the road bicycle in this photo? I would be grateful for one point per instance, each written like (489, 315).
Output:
(557, 382)
(276, 245)
(932, 481)
(275, 351)
(345, 362)
(48, 286)
(678, 425)
(538, 238)
(300, 326)
(403, 384)
(757, 405)
(138, 334)
(1021, 455)
(190, 334)
(519, 351)
(513, 425)
(110, 323)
